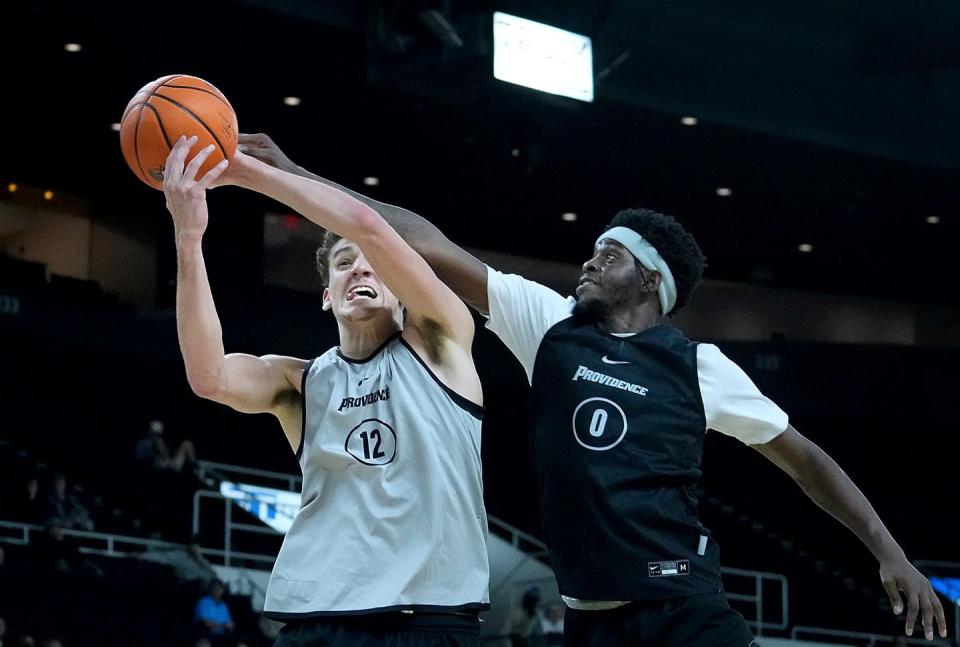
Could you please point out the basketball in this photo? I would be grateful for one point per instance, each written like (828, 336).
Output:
(163, 110)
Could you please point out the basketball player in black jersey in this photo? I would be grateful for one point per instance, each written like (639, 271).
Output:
(634, 564)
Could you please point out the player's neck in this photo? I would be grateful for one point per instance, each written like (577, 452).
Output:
(634, 319)
(360, 339)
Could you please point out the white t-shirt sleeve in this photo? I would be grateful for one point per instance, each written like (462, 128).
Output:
(521, 313)
(732, 403)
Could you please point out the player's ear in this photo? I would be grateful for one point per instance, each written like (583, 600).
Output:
(327, 302)
(652, 284)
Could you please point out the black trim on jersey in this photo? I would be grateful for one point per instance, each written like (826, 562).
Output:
(371, 355)
(303, 406)
(423, 608)
(467, 405)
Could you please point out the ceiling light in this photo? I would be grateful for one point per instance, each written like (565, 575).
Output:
(933, 220)
(806, 248)
(292, 101)
(12, 187)
(724, 192)
(689, 121)
(371, 181)
(72, 47)
(515, 152)
(569, 217)
(48, 195)
(115, 127)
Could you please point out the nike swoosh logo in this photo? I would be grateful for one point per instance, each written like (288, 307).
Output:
(612, 361)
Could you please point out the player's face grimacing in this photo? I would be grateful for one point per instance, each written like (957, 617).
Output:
(355, 292)
(612, 277)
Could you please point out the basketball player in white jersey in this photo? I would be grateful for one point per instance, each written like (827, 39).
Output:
(389, 545)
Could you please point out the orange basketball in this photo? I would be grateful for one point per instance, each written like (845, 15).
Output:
(164, 110)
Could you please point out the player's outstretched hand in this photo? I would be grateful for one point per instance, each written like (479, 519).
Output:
(900, 576)
(261, 147)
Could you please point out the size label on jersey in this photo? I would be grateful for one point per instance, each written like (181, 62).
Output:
(668, 569)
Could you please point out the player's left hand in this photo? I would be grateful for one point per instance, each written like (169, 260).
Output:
(262, 147)
(900, 576)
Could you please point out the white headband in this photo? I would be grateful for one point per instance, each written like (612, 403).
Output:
(650, 258)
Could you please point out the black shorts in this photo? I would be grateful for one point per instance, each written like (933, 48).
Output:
(696, 621)
(393, 629)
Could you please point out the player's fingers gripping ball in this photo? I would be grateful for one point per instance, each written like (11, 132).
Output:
(163, 110)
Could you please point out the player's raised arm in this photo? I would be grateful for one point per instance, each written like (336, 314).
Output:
(431, 306)
(244, 382)
(465, 274)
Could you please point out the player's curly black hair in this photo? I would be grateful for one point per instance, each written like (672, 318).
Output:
(323, 255)
(675, 244)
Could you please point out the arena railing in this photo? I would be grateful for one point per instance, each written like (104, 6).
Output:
(227, 554)
(125, 546)
(822, 634)
(220, 471)
(763, 584)
(96, 543)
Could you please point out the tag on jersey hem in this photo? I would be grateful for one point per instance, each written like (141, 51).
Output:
(668, 569)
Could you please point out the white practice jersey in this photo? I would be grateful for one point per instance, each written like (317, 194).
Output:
(391, 515)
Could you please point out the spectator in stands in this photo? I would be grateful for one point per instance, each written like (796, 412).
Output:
(28, 506)
(3, 630)
(203, 642)
(65, 509)
(523, 622)
(152, 450)
(52, 642)
(213, 615)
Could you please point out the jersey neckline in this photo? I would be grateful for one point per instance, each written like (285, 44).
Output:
(366, 359)
(637, 335)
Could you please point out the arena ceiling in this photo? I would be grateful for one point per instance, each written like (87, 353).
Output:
(832, 124)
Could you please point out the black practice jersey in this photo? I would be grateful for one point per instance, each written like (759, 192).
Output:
(617, 441)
